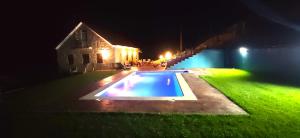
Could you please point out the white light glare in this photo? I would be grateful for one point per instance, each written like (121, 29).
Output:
(243, 51)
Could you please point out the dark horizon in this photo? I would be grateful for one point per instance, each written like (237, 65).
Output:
(34, 29)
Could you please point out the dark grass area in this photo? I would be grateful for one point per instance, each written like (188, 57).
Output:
(70, 124)
(274, 112)
(280, 78)
(13, 80)
(55, 93)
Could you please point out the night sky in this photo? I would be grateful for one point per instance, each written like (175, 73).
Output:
(33, 29)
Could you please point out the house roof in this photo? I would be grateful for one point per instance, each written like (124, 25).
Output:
(75, 29)
(68, 36)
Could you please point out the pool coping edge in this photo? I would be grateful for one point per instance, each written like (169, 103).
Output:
(188, 94)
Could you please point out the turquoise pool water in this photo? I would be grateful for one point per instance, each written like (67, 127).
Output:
(145, 84)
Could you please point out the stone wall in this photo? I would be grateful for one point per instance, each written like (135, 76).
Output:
(76, 46)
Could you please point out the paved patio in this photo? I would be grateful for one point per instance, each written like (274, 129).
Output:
(210, 100)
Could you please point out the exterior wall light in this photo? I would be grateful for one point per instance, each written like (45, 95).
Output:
(168, 55)
(105, 53)
(243, 51)
(161, 56)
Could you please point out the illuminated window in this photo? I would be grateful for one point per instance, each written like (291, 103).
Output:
(70, 59)
(123, 52)
(86, 58)
(134, 53)
(99, 58)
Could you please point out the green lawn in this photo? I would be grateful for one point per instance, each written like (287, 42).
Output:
(274, 112)
(274, 109)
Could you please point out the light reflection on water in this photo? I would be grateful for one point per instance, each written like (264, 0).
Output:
(146, 84)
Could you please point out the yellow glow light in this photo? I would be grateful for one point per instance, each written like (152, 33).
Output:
(168, 55)
(161, 56)
(129, 52)
(134, 53)
(124, 52)
(105, 53)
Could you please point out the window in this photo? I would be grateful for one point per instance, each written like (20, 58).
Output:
(98, 43)
(83, 35)
(70, 59)
(84, 39)
(86, 58)
(99, 58)
(77, 35)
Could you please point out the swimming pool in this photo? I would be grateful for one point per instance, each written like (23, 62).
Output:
(159, 85)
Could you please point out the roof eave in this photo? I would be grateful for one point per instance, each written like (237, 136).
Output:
(68, 36)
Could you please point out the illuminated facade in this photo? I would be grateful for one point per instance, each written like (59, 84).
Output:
(84, 50)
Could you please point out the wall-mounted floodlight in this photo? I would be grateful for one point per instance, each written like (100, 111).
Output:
(243, 51)
(168, 55)
(161, 56)
(105, 53)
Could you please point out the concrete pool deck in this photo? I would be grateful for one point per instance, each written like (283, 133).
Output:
(210, 101)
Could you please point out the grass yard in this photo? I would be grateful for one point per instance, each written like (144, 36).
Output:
(274, 109)
(274, 112)
(56, 93)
